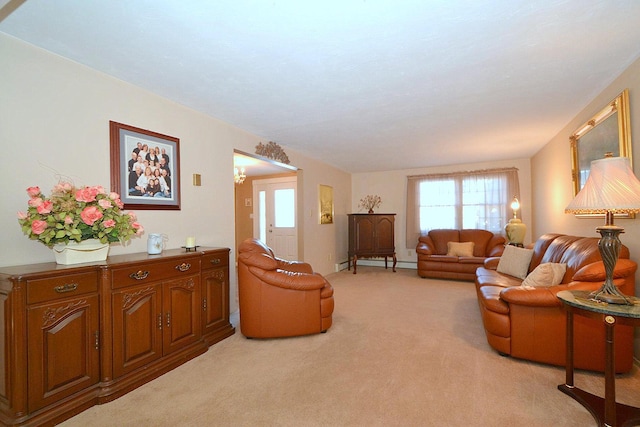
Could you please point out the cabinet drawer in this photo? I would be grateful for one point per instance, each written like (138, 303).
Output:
(52, 288)
(147, 273)
(215, 260)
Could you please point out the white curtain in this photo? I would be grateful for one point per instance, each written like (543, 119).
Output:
(471, 199)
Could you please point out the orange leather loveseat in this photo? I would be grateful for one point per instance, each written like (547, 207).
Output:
(438, 259)
(280, 298)
(530, 323)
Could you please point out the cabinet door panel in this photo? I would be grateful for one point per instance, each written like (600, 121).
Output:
(215, 300)
(384, 235)
(137, 328)
(181, 300)
(364, 235)
(63, 355)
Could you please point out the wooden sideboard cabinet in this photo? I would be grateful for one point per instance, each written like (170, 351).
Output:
(215, 295)
(75, 336)
(371, 236)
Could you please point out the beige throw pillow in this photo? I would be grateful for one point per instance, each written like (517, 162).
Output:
(515, 261)
(545, 275)
(460, 248)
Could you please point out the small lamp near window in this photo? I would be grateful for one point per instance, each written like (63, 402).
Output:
(515, 229)
(611, 188)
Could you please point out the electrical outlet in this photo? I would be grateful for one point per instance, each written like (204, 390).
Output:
(410, 253)
(329, 257)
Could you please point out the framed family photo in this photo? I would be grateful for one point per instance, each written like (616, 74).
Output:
(145, 168)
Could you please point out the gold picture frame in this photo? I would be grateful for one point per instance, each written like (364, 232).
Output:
(608, 131)
(325, 198)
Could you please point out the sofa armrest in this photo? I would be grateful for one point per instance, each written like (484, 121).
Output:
(594, 272)
(294, 266)
(491, 263)
(533, 297)
(425, 246)
(290, 280)
(495, 247)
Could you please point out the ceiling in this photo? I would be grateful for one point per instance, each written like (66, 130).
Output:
(364, 85)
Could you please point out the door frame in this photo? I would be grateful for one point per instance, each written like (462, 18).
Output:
(273, 168)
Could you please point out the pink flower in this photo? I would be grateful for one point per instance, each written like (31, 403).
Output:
(104, 203)
(139, 229)
(114, 196)
(132, 215)
(99, 189)
(33, 191)
(22, 215)
(35, 202)
(38, 226)
(62, 187)
(45, 207)
(68, 220)
(90, 214)
(86, 194)
(109, 223)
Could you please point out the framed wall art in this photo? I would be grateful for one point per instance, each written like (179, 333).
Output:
(325, 195)
(609, 131)
(145, 167)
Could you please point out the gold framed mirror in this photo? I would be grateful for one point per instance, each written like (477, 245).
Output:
(608, 131)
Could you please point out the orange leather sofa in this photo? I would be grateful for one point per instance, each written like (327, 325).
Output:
(280, 298)
(434, 262)
(530, 323)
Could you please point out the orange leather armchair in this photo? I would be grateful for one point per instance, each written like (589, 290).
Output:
(280, 298)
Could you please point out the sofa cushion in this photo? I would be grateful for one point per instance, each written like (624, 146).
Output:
(545, 275)
(480, 238)
(441, 237)
(460, 248)
(515, 261)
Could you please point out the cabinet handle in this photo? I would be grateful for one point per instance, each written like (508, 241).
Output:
(215, 261)
(168, 319)
(139, 275)
(160, 321)
(183, 267)
(97, 342)
(69, 287)
(204, 304)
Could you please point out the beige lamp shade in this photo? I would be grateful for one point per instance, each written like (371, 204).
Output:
(611, 187)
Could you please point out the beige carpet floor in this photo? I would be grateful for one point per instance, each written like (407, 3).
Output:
(403, 351)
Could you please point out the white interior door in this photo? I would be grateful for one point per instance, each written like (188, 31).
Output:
(274, 215)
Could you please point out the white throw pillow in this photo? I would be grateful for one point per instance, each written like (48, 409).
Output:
(460, 248)
(545, 275)
(515, 261)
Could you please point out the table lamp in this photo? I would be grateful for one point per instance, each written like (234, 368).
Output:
(515, 229)
(611, 188)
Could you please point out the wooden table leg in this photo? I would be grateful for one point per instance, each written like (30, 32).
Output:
(355, 263)
(609, 374)
(569, 367)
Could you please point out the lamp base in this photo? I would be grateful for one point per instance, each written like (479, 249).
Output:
(621, 299)
(609, 246)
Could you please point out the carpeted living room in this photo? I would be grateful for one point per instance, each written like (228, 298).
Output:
(464, 142)
(403, 351)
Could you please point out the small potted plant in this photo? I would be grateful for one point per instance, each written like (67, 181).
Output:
(370, 202)
(72, 216)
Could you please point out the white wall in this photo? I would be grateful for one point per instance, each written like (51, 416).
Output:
(391, 186)
(551, 173)
(54, 122)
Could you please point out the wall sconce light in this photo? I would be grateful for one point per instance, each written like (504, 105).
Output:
(238, 175)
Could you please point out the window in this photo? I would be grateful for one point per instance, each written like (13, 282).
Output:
(476, 199)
